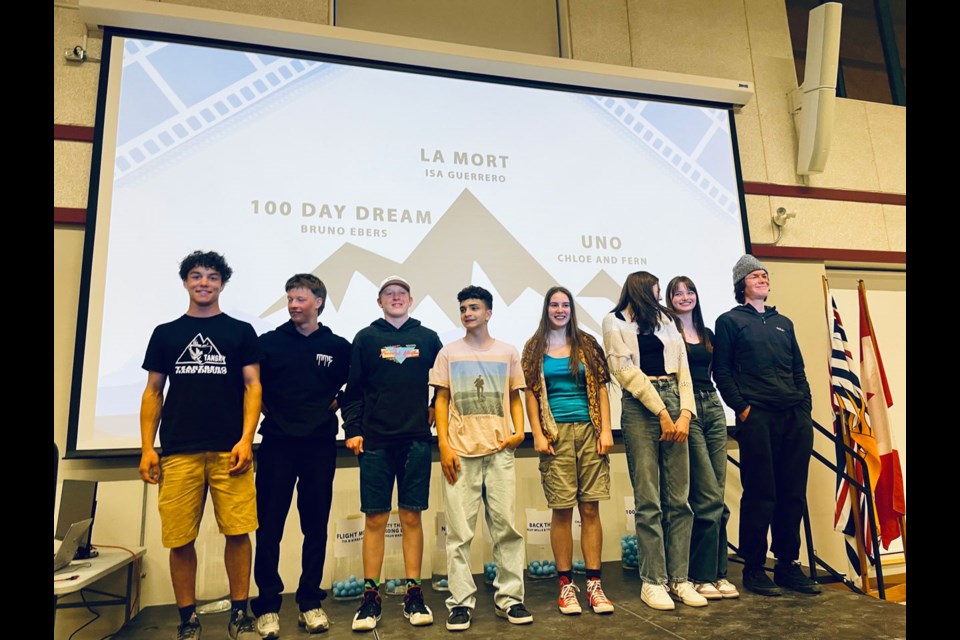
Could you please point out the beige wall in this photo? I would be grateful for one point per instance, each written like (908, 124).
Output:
(740, 39)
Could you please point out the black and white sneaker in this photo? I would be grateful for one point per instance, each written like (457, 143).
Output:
(189, 630)
(414, 608)
(459, 619)
(369, 612)
(241, 626)
(515, 614)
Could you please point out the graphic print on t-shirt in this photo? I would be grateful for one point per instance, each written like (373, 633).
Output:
(478, 387)
(398, 354)
(201, 356)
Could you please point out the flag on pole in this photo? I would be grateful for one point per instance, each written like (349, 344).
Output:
(888, 494)
(850, 413)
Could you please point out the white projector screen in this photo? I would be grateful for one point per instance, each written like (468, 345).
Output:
(356, 171)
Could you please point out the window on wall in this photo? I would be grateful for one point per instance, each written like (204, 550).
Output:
(873, 47)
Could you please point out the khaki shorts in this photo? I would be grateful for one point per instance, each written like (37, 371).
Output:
(577, 473)
(184, 479)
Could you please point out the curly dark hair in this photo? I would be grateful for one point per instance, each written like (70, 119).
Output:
(208, 259)
(474, 292)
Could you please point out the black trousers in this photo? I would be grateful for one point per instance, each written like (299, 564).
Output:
(775, 447)
(282, 465)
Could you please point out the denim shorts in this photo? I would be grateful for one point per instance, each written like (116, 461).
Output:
(409, 464)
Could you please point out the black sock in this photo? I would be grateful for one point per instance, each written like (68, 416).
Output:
(593, 574)
(371, 583)
(566, 574)
(239, 605)
(186, 612)
(413, 582)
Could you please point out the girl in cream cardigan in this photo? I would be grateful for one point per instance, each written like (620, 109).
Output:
(646, 355)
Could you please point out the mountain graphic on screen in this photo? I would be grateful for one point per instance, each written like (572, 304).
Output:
(467, 233)
(602, 286)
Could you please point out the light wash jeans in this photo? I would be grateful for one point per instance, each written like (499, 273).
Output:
(660, 473)
(708, 473)
(491, 478)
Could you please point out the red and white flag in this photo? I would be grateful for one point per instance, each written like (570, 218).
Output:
(889, 498)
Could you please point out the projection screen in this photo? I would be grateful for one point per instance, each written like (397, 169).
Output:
(356, 170)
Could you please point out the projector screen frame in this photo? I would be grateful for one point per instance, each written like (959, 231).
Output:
(110, 33)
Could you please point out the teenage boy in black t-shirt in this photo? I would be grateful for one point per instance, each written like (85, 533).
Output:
(303, 368)
(206, 424)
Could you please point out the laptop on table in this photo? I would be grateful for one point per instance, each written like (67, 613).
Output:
(71, 541)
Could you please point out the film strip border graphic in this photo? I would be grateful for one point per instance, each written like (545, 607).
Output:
(629, 113)
(191, 121)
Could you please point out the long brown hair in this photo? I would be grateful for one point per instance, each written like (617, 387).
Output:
(537, 344)
(637, 293)
(695, 314)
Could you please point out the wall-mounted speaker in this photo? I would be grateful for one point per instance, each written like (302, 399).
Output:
(818, 93)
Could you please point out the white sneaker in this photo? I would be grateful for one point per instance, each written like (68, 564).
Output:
(708, 590)
(315, 620)
(685, 593)
(726, 588)
(655, 596)
(268, 625)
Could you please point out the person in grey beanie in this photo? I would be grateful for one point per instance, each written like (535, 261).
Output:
(759, 373)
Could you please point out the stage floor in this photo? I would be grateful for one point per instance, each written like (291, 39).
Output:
(837, 613)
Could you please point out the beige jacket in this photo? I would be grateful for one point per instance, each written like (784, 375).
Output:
(623, 358)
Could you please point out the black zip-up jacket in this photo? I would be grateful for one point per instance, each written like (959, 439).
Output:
(757, 361)
(386, 398)
(301, 375)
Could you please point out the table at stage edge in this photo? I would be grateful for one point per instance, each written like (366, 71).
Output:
(110, 560)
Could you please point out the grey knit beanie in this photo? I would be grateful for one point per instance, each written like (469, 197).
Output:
(745, 265)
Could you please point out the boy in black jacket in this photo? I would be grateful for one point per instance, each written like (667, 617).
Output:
(759, 372)
(387, 424)
(304, 367)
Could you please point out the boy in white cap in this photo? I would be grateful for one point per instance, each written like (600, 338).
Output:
(387, 420)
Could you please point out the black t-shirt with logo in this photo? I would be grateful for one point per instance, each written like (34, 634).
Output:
(203, 359)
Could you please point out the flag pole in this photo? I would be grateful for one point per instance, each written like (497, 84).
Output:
(903, 537)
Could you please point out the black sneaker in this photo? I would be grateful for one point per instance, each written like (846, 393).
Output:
(755, 579)
(790, 576)
(459, 619)
(369, 612)
(189, 630)
(414, 609)
(515, 613)
(241, 626)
